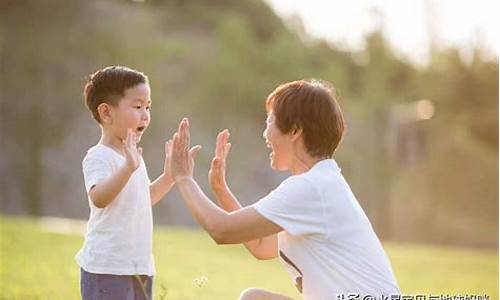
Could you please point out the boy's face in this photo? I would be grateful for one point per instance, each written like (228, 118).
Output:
(133, 111)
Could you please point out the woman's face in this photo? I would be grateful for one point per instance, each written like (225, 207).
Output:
(280, 144)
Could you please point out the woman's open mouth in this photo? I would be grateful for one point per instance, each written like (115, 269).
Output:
(269, 146)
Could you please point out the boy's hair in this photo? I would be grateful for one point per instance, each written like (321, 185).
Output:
(108, 85)
(309, 105)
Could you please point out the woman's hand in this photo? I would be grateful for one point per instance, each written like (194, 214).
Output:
(132, 152)
(217, 173)
(181, 157)
(167, 168)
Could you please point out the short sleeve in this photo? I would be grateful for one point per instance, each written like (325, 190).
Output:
(295, 206)
(95, 169)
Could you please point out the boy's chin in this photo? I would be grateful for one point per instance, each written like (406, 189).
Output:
(138, 136)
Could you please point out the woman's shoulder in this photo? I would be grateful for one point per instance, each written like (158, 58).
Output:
(301, 183)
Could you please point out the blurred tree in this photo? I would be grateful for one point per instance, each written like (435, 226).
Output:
(34, 84)
(216, 61)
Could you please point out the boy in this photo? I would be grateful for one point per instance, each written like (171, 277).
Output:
(116, 259)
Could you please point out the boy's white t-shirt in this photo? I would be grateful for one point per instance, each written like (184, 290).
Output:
(328, 245)
(119, 236)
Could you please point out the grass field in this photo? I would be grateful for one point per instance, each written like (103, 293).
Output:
(37, 263)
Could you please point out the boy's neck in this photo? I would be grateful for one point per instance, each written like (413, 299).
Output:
(111, 140)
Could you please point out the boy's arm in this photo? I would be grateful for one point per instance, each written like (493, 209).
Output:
(164, 182)
(103, 193)
(160, 187)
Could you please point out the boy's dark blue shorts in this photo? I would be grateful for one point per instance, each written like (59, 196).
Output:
(111, 287)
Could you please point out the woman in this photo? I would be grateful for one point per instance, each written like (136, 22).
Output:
(312, 221)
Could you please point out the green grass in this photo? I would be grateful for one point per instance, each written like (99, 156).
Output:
(38, 264)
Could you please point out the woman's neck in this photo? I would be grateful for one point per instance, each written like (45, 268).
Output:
(304, 163)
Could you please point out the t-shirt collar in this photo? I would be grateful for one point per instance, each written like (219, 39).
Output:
(329, 163)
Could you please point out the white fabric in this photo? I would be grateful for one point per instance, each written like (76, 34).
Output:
(119, 236)
(328, 242)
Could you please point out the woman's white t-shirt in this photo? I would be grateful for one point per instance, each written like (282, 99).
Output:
(328, 245)
(119, 236)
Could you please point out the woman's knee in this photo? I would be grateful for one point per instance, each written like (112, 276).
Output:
(260, 294)
(251, 294)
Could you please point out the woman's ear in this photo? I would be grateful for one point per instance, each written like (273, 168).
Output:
(104, 112)
(296, 133)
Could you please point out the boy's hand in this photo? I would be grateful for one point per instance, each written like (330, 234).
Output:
(132, 152)
(217, 173)
(182, 158)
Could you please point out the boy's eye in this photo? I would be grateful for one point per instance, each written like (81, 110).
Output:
(148, 107)
(138, 106)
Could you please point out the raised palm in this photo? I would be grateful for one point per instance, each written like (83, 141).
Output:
(132, 152)
(217, 173)
(180, 160)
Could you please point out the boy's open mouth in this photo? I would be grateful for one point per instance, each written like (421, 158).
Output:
(141, 128)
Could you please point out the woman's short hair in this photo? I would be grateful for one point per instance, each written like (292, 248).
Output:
(309, 105)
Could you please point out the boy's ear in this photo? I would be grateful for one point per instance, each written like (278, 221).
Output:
(104, 111)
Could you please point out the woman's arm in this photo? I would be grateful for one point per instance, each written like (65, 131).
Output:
(262, 248)
(239, 226)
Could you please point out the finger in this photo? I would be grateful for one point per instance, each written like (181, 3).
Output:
(215, 166)
(129, 137)
(180, 125)
(226, 150)
(170, 147)
(135, 139)
(215, 163)
(175, 144)
(194, 151)
(182, 135)
(224, 141)
(218, 144)
(188, 134)
(225, 136)
(175, 138)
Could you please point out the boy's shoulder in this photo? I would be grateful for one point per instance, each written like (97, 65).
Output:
(95, 150)
(99, 152)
